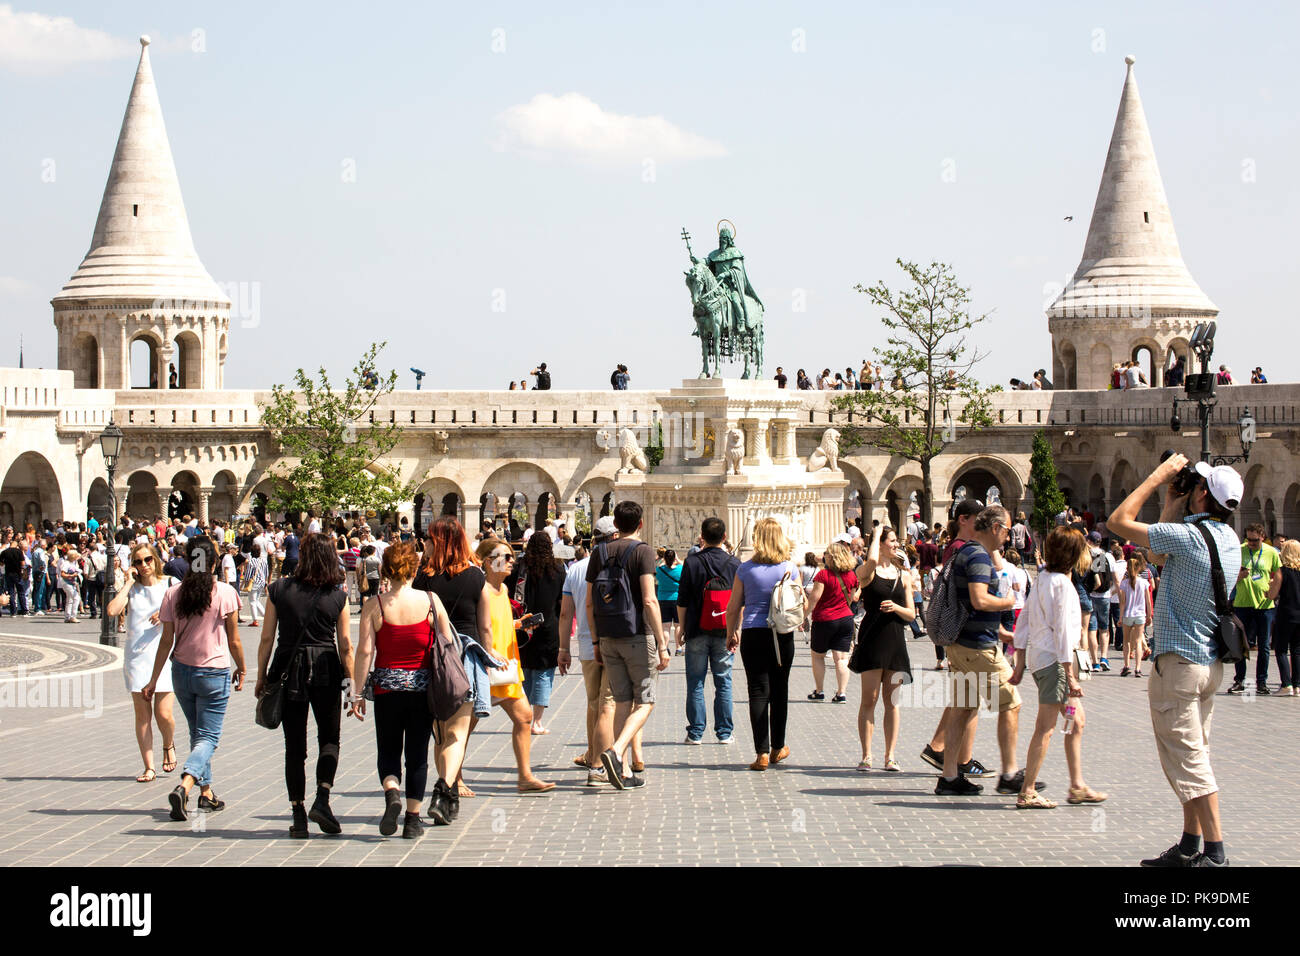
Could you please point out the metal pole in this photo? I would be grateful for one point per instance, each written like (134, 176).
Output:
(108, 630)
(1205, 409)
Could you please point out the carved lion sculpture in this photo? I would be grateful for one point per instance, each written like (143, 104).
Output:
(735, 449)
(827, 454)
(632, 459)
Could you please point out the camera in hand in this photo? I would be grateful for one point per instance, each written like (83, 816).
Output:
(1185, 481)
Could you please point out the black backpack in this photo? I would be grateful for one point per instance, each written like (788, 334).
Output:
(611, 592)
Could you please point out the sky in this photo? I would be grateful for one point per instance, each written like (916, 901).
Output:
(490, 186)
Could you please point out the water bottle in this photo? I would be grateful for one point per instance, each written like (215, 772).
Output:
(1069, 719)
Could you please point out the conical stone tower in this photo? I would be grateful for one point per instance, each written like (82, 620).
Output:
(1132, 296)
(142, 278)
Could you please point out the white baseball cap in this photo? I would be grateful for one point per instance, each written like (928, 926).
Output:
(1225, 485)
(605, 526)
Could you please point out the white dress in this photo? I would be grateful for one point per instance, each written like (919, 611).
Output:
(142, 638)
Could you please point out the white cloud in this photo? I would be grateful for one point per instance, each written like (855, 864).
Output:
(38, 43)
(573, 126)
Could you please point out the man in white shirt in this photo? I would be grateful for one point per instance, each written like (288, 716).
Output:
(228, 571)
(600, 700)
(313, 526)
(551, 531)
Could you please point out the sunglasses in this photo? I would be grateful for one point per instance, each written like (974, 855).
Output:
(141, 562)
(503, 556)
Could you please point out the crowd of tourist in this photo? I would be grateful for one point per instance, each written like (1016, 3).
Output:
(1000, 604)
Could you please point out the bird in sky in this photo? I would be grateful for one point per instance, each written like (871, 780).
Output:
(1069, 218)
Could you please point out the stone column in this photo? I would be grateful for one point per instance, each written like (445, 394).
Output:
(473, 518)
(750, 427)
(205, 493)
(163, 495)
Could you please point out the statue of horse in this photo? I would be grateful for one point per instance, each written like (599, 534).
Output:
(712, 311)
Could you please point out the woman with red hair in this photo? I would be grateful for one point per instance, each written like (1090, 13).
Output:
(450, 571)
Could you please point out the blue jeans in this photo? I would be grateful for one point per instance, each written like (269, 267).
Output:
(705, 651)
(1258, 624)
(537, 685)
(203, 693)
(39, 602)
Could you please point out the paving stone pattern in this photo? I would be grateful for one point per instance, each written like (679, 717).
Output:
(69, 796)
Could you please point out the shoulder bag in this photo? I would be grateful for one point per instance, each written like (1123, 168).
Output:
(448, 683)
(270, 706)
(1229, 636)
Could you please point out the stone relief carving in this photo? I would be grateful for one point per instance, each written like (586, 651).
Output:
(678, 527)
(440, 442)
(827, 454)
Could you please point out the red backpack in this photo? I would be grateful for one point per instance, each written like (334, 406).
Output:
(713, 603)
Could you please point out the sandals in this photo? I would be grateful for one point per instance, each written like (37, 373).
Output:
(1086, 795)
(463, 791)
(169, 760)
(537, 786)
(1034, 801)
(149, 776)
(578, 761)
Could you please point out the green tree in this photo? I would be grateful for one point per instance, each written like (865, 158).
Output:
(1048, 499)
(339, 450)
(931, 364)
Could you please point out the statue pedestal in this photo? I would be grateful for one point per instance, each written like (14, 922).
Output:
(694, 480)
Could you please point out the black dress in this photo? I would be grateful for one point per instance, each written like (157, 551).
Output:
(541, 594)
(882, 641)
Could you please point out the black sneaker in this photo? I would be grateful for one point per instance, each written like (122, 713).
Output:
(1237, 687)
(817, 695)
(1172, 857)
(973, 768)
(1016, 782)
(320, 813)
(1202, 860)
(179, 798)
(961, 787)
(412, 827)
(632, 781)
(1262, 691)
(933, 757)
(839, 699)
(392, 807)
(613, 768)
(211, 804)
(440, 803)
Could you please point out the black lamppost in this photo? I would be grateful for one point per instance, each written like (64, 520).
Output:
(110, 442)
(1201, 392)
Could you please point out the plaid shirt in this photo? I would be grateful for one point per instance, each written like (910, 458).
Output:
(1185, 617)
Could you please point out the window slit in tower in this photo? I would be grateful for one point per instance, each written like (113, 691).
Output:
(135, 210)
(1146, 217)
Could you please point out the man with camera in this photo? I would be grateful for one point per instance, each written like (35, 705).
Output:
(1188, 667)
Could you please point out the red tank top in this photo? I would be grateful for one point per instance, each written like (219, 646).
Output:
(402, 646)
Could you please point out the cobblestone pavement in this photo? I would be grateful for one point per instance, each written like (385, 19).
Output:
(69, 796)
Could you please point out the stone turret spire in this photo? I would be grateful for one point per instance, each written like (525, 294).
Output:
(1131, 289)
(142, 278)
(142, 243)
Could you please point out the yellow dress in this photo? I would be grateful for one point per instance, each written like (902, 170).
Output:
(504, 646)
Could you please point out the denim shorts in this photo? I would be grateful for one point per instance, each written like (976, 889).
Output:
(1100, 612)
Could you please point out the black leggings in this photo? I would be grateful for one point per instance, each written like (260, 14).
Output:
(769, 684)
(326, 705)
(1286, 643)
(403, 722)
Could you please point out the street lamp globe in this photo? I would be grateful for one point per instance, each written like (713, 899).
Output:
(110, 441)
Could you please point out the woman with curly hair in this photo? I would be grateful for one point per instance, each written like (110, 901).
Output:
(200, 619)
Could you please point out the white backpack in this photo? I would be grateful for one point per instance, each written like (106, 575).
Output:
(785, 611)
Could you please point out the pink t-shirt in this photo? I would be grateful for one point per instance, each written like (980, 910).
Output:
(201, 641)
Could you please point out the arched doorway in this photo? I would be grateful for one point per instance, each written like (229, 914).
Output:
(487, 504)
(985, 477)
(1291, 512)
(183, 501)
(142, 496)
(146, 363)
(86, 361)
(1145, 354)
(31, 492)
(225, 496)
(1067, 370)
(99, 503)
(517, 515)
(189, 360)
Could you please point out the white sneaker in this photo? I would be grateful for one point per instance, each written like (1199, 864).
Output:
(692, 741)
(727, 741)
(40, 613)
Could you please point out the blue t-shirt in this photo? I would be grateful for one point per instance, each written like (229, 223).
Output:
(973, 565)
(291, 547)
(758, 580)
(667, 581)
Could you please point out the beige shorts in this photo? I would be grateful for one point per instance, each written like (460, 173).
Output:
(1181, 697)
(597, 683)
(975, 673)
(631, 667)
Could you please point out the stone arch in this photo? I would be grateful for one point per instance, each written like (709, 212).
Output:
(1177, 348)
(87, 361)
(145, 364)
(1270, 518)
(857, 496)
(1084, 450)
(979, 473)
(99, 502)
(1291, 511)
(142, 495)
(522, 478)
(189, 360)
(1097, 500)
(1252, 508)
(1100, 361)
(31, 490)
(184, 497)
(1153, 363)
(1123, 479)
(436, 497)
(1066, 367)
(225, 496)
(898, 499)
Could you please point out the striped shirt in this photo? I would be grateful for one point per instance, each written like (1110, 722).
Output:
(1186, 620)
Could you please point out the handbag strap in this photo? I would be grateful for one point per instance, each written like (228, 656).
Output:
(1221, 604)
